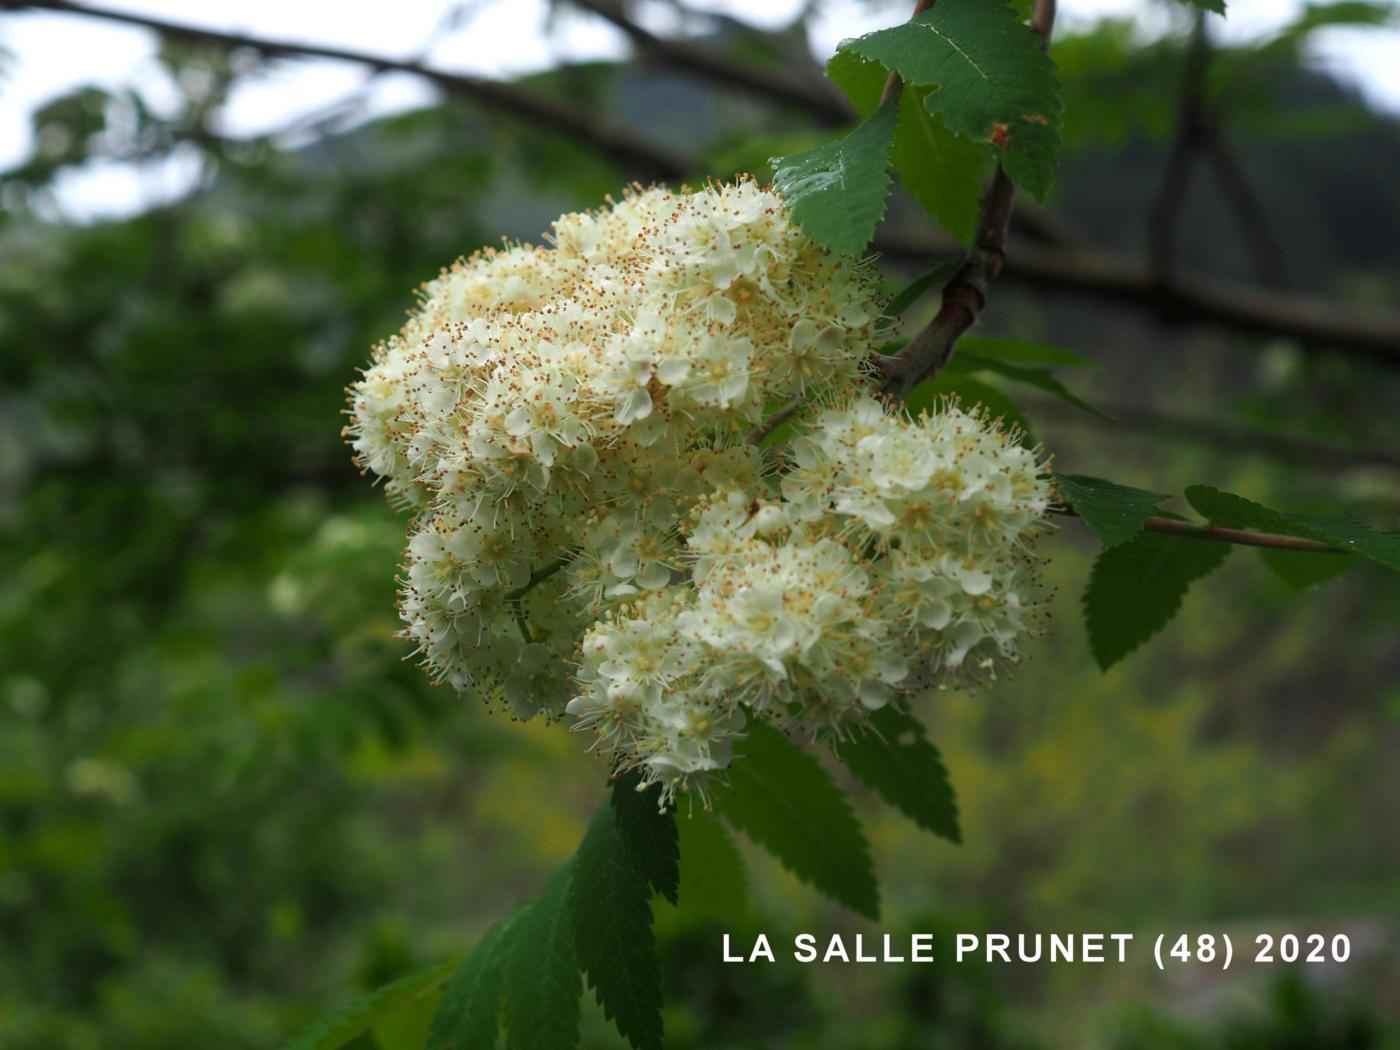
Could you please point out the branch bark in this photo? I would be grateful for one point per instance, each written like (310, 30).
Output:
(1239, 537)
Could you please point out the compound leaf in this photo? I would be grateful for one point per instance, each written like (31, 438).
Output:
(471, 1001)
(906, 770)
(939, 169)
(611, 906)
(712, 871)
(354, 1019)
(542, 987)
(994, 81)
(648, 836)
(787, 803)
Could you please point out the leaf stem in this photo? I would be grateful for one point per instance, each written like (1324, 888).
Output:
(1219, 534)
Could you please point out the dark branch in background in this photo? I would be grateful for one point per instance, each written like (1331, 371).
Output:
(1230, 439)
(822, 103)
(1264, 249)
(1176, 173)
(1199, 134)
(1244, 308)
(645, 158)
(965, 294)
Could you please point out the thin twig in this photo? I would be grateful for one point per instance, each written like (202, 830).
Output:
(824, 105)
(538, 576)
(1216, 534)
(774, 421)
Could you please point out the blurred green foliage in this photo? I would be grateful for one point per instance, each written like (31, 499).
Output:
(227, 801)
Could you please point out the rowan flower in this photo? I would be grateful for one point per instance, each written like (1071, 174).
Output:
(593, 534)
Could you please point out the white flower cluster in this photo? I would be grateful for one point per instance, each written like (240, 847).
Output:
(563, 408)
(570, 425)
(890, 553)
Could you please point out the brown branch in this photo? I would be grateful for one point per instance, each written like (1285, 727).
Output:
(965, 294)
(1216, 534)
(645, 158)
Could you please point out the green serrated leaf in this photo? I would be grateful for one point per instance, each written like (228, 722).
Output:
(1236, 512)
(967, 361)
(787, 803)
(906, 770)
(648, 835)
(712, 871)
(542, 987)
(1022, 352)
(1301, 570)
(354, 1019)
(837, 191)
(940, 170)
(406, 1028)
(1135, 589)
(1114, 513)
(860, 80)
(611, 905)
(471, 1001)
(1383, 548)
(995, 83)
(916, 289)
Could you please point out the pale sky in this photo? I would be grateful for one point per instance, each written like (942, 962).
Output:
(51, 54)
